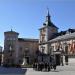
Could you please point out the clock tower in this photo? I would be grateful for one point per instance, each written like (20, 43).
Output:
(46, 33)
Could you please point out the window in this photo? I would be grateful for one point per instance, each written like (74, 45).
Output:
(44, 30)
(43, 38)
(26, 52)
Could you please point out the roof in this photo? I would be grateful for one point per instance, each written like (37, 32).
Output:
(49, 24)
(52, 25)
(71, 30)
(11, 32)
(63, 37)
(28, 39)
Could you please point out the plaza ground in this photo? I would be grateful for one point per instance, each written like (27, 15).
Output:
(61, 70)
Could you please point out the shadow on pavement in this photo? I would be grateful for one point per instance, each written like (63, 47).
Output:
(12, 71)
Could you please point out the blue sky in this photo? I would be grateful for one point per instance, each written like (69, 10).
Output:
(27, 16)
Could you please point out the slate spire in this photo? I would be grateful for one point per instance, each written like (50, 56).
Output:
(48, 15)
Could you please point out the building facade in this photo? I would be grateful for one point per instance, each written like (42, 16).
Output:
(24, 51)
(18, 50)
(46, 33)
(51, 40)
(0, 55)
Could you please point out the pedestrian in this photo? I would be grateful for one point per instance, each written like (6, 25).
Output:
(62, 60)
(46, 66)
(66, 59)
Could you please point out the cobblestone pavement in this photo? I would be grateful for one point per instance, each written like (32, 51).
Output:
(61, 70)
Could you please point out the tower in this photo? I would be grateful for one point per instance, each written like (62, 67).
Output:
(10, 47)
(46, 33)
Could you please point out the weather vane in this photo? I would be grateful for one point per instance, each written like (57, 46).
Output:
(11, 28)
